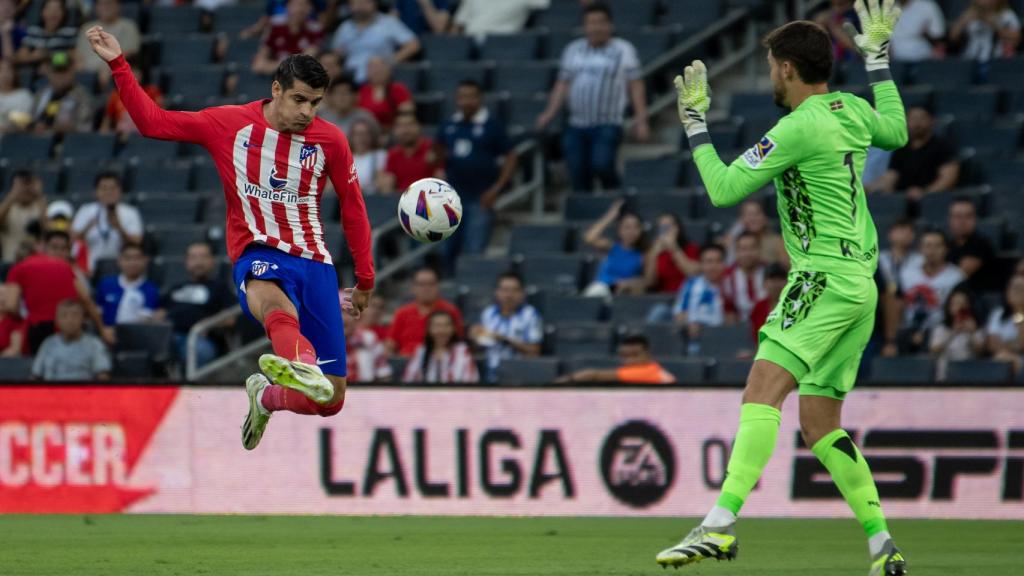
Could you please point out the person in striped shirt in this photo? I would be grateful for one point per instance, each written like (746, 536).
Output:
(510, 327)
(275, 158)
(443, 358)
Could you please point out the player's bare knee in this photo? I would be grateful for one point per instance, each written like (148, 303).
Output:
(767, 384)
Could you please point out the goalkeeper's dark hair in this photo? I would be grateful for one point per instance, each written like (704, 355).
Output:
(807, 46)
(304, 68)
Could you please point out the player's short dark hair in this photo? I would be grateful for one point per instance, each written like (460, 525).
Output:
(106, 175)
(807, 46)
(470, 83)
(51, 234)
(748, 234)
(713, 247)
(636, 340)
(304, 68)
(775, 271)
(597, 7)
(344, 80)
(129, 246)
(510, 275)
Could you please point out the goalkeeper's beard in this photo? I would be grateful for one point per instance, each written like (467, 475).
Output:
(779, 97)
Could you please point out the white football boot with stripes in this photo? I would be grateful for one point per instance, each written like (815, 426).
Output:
(308, 379)
(701, 543)
(258, 417)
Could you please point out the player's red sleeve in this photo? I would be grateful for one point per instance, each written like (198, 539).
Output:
(152, 120)
(355, 222)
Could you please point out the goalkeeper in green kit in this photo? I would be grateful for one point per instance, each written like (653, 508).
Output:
(814, 338)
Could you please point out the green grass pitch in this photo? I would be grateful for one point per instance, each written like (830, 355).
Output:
(409, 546)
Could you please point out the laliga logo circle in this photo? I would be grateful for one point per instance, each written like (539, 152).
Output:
(637, 463)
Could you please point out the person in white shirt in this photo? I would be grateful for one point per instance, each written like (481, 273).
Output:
(1005, 326)
(927, 286)
(108, 223)
(918, 31)
(367, 157)
(108, 15)
(443, 358)
(991, 30)
(479, 18)
(958, 337)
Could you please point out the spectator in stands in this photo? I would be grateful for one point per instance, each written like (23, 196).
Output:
(369, 33)
(702, 300)
(130, 297)
(926, 287)
(201, 296)
(638, 366)
(365, 352)
(115, 118)
(753, 219)
(15, 101)
(334, 65)
(107, 224)
(900, 254)
(424, 16)
(372, 317)
(672, 257)
(341, 108)
(622, 269)
(509, 328)
(290, 33)
(928, 163)
(108, 15)
(744, 279)
(775, 277)
(71, 353)
(958, 336)
(381, 95)
(1005, 327)
(479, 163)
(59, 214)
(409, 325)
(413, 156)
(919, 32)
(443, 358)
(11, 32)
(368, 159)
(832, 19)
(599, 74)
(52, 35)
(280, 8)
(968, 248)
(481, 18)
(62, 105)
(991, 29)
(43, 280)
(23, 204)
(876, 164)
(13, 338)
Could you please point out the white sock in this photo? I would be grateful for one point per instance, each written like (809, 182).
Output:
(876, 542)
(719, 518)
(259, 402)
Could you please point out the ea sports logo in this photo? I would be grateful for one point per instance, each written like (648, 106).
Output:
(637, 463)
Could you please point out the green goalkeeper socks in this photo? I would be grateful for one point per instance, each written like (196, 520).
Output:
(851, 474)
(755, 441)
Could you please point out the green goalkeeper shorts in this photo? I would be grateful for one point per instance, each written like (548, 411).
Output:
(819, 329)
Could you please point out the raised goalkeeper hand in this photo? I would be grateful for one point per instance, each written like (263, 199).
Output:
(694, 98)
(877, 21)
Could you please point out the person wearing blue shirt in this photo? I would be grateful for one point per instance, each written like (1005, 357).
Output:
(424, 16)
(479, 162)
(129, 297)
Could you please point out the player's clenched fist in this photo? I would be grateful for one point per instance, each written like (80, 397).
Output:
(103, 44)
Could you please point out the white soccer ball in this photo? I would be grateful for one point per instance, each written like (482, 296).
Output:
(430, 210)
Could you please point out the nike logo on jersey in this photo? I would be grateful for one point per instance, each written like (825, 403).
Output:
(320, 362)
(275, 182)
(247, 144)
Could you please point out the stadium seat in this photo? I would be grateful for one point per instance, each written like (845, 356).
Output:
(380, 208)
(249, 86)
(752, 104)
(539, 239)
(661, 172)
(698, 231)
(205, 177)
(522, 111)
(153, 339)
(148, 149)
(650, 206)
(554, 272)
(997, 140)
(15, 369)
(555, 43)
(935, 207)
(443, 48)
(686, 370)
(151, 177)
(481, 272)
(665, 338)
(171, 21)
(195, 83)
(560, 16)
(80, 176)
(528, 370)
(583, 339)
(979, 104)
(174, 239)
(726, 371)
(86, 146)
(945, 72)
(168, 271)
(236, 17)
(979, 372)
(725, 134)
(755, 126)
(511, 47)
(410, 75)
(633, 310)
(1002, 173)
(649, 43)
(190, 50)
(726, 342)
(173, 208)
(560, 308)
(589, 361)
(1006, 72)
(523, 78)
(582, 208)
(242, 50)
(887, 204)
(690, 13)
(24, 147)
(903, 369)
(445, 76)
(921, 96)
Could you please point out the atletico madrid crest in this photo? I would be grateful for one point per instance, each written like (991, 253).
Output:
(307, 156)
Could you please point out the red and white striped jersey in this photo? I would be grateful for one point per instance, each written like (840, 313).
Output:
(273, 181)
(456, 366)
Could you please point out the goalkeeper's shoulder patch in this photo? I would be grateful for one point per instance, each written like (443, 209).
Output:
(759, 152)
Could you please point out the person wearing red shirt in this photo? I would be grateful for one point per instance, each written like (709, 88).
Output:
(409, 325)
(414, 156)
(114, 117)
(290, 33)
(12, 325)
(382, 96)
(672, 257)
(774, 283)
(43, 280)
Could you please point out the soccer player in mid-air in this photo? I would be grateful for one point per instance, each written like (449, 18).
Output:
(275, 157)
(814, 338)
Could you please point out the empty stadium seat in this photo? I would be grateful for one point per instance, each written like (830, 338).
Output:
(725, 135)
(85, 146)
(978, 104)
(1006, 72)
(148, 149)
(480, 271)
(153, 339)
(523, 78)
(174, 239)
(538, 239)
(730, 371)
(979, 372)
(522, 111)
(528, 370)
(560, 308)
(443, 48)
(666, 338)
(173, 208)
(589, 361)
(650, 206)
(168, 270)
(15, 369)
(560, 16)
(690, 13)
(446, 76)
(380, 208)
(150, 177)
(195, 83)
(242, 50)
(511, 47)
(583, 339)
(79, 176)
(236, 17)
(18, 146)
(945, 72)
(649, 44)
(409, 74)
(686, 370)
(173, 20)
(662, 172)
(251, 86)
(191, 50)
(556, 42)
(1000, 139)
(586, 207)
(887, 204)
(726, 341)
(903, 369)
(205, 177)
(554, 272)
(752, 104)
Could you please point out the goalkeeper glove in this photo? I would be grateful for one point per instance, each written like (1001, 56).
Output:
(694, 98)
(877, 21)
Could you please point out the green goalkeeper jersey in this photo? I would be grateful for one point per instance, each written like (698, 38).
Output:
(815, 155)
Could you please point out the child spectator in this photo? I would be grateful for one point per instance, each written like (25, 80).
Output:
(129, 297)
(443, 358)
(622, 270)
(70, 353)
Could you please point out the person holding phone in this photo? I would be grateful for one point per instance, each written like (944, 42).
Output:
(107, 224)
(959, 336)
